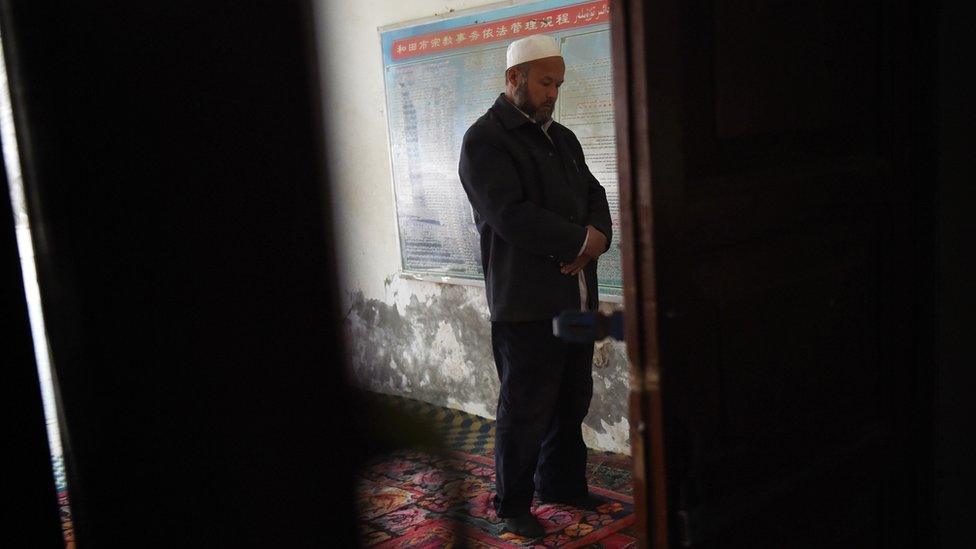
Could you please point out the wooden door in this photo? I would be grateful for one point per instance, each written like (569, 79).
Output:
(770, 220)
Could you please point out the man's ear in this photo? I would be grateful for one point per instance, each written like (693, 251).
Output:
(511, 76)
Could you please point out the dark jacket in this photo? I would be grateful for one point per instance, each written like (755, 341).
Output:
(532, 200)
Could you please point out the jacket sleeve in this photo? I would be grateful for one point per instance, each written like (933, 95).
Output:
(599, 208)
(494, 187)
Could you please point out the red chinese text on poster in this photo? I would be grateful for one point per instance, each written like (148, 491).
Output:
(555, 20)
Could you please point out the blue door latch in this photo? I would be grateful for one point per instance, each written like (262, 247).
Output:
(586, 326)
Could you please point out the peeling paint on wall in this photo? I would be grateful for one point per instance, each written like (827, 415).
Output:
(607, 426)
(432, 342)
(612, 436)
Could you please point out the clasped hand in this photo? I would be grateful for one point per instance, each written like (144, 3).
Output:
(596, 244)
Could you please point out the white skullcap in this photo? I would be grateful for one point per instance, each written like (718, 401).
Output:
(530, 48)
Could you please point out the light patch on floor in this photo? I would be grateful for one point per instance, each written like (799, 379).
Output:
(480, 409)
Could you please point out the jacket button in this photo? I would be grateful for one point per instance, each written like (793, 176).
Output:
(552, 257)
(550, 154)
(571, 218)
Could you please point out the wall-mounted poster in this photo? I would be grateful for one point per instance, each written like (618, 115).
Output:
(441, 76)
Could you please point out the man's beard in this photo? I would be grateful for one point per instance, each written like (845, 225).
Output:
(538, 115)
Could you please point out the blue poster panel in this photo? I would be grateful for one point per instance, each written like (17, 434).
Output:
(441, 76)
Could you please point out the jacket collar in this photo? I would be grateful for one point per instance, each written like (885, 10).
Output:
(509, 114)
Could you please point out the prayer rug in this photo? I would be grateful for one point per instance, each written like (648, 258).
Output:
(413, 498)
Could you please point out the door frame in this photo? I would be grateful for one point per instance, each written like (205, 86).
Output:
(631, 111)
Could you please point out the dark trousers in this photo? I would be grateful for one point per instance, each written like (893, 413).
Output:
(546, 386)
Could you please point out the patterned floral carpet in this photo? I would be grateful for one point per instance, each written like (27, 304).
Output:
(64, 504)
(415, 498)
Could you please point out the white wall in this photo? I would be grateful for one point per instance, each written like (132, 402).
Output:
(358, 152)
(419, 339)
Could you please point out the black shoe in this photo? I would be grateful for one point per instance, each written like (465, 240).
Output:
(525, 525)
(587, 502)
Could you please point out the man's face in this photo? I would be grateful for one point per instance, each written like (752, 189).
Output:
(536, 92)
